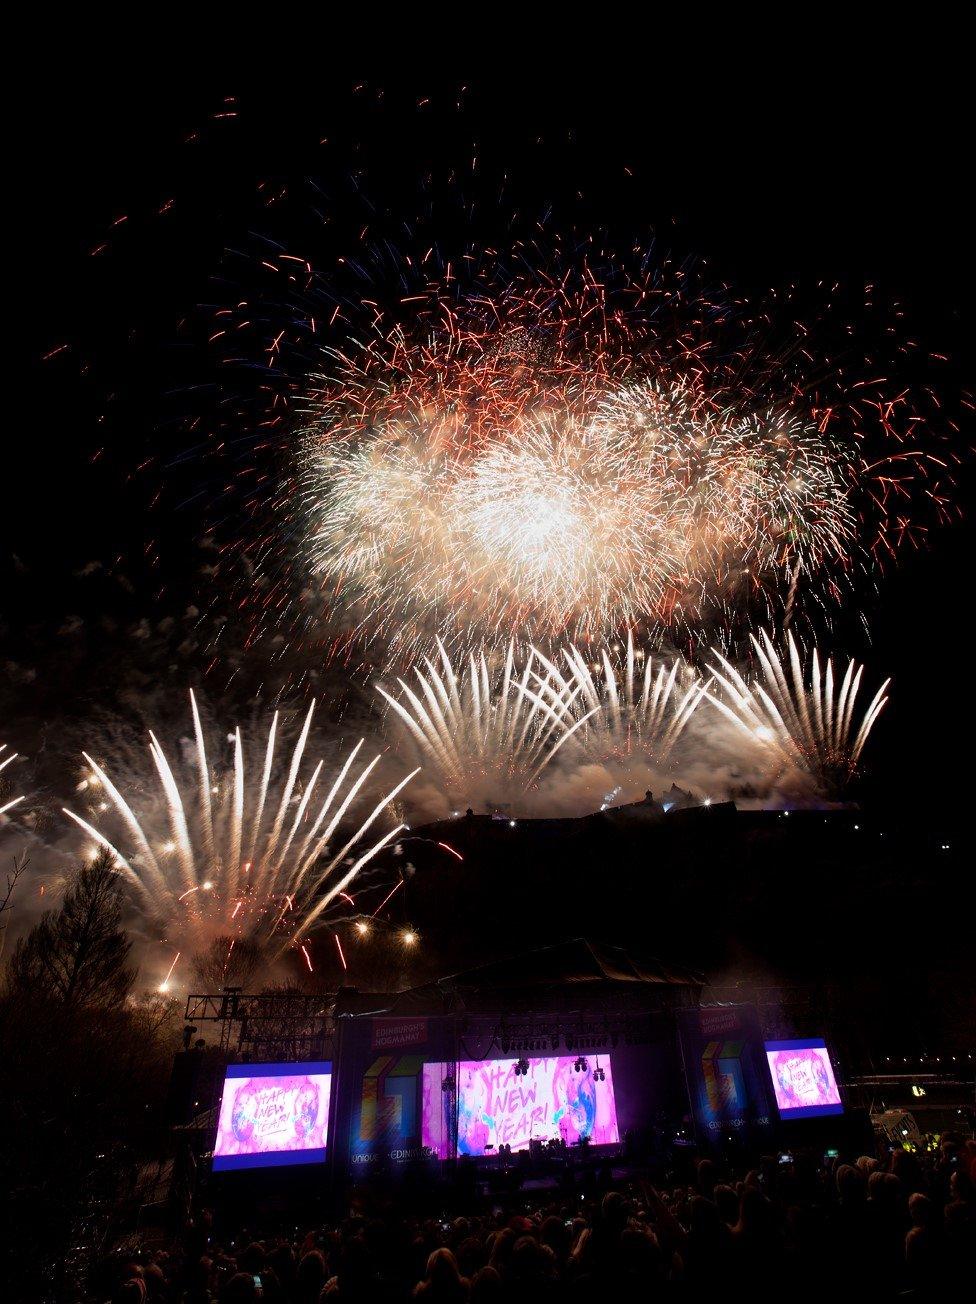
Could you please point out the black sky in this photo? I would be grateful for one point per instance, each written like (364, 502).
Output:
(855, 171)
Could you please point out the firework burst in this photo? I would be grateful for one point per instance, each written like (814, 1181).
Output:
(484, 727)
(585, 510)
(800, 716)
(547, 439)
(238, 851)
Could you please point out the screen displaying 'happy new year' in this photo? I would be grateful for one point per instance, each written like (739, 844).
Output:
(272, 1115)
(497, 1106)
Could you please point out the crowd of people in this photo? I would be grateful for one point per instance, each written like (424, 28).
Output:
(807, 1227)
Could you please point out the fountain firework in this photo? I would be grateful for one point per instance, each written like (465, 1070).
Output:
(484, 730)
(800, 719)
(639, 707)
(234, 851)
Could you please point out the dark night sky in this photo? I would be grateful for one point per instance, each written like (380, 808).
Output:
(854, 171)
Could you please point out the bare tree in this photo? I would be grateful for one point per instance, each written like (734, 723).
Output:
(77, 955)
(227, 962)
(19, 866)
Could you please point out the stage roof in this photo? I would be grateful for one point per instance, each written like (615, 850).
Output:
(578, 961)
(533, 977)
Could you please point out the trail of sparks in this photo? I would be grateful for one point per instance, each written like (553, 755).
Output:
(4, 762)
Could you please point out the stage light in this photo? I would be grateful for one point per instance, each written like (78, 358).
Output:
(409, 938)
(208, 886)
(521, 1067)
(362, 928)
(580, 1065)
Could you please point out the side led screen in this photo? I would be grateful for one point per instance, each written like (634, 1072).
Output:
(272, 1115)
(803, 1078)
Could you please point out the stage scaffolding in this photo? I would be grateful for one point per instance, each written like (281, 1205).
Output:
(268, 1026)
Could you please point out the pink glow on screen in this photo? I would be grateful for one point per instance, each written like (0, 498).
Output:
(268, 1115)
(803, 1078)
(498, 1107)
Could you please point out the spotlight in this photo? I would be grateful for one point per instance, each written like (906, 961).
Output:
(409, 937)
(362, 928)
(579, 1064)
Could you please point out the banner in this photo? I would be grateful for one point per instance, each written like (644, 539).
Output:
(725, 1065)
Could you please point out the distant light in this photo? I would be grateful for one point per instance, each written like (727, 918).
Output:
(164, 987)
(362, 927)
(409, 938)
(708, 801)
(208, 886)
(511, 824)
(168, 848)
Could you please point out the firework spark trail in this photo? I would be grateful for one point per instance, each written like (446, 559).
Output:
(13, 801)
(633, 710)
(196, 881)
(473, 725)
(164, 985)
(801, 718)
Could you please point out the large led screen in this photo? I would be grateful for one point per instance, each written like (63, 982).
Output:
(272, 1115)
(497, 1106)
(803, 1078)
